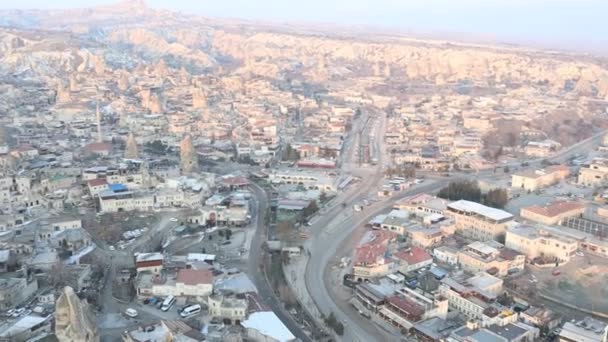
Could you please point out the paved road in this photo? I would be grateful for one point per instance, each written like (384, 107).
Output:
(254, 270)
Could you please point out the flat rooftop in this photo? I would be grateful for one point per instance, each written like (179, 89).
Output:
(480, 209)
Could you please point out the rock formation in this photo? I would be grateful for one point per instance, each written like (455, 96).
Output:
(131, 147)
(73, 319)
(188, 158)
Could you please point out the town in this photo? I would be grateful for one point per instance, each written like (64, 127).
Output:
(167, 177)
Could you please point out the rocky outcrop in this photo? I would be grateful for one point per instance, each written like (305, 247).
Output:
(188, 157)
(131, 151)
(73, 319)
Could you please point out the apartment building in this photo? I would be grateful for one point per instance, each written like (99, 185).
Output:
(595, 173)
(538, 241)
(538, 179)
(477, 221)
(490, 257)
(553, 213)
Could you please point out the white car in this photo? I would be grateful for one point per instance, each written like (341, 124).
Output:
(580, 254)
(131, 313)
(173, 219)
(112, 248)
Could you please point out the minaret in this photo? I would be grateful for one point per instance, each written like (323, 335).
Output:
(131, 147)
(98, 116)
(188, 158)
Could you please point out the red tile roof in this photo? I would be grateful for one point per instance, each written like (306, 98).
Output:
(408, 306)
(97, 147)
(555, 208)
(194, 277)
(374, 248)
(413, 256)
(97, 182)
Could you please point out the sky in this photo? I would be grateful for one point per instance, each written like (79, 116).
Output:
(579, 24)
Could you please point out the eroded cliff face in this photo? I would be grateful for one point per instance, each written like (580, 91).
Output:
(438, 64)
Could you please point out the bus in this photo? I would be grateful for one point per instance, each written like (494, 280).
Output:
(168, 303)
(190, 310)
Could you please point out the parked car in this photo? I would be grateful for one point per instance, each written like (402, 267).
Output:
(131, 313)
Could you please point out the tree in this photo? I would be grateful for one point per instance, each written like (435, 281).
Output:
(323, 197)
(496, 198)
(310, 209)
(466, 190)
(228, 234)
(156, 147)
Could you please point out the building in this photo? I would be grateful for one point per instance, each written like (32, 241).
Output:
(265, 326)
(541, 242)
(446, 254)
(553, 213)
(149, 262)
(538, 179)
(413, 259)
(371, 259)
(471, 295)
(196, 284)
(407, 307)
(227, 307)
(422, 205)
(163, 331)
(26, 328)
(118, 201)
(490, 257)
(14, 291)
(477, 221)
(586, 330)
(512, 332)
(540, 317)
(541, 148)
(309, 180)
(594, 173)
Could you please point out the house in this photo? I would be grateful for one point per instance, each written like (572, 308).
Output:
(227, 307)
(446, 254)
(97, 185)
(149, 262)
(196, 284)
(413, 259)
(490, 257)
